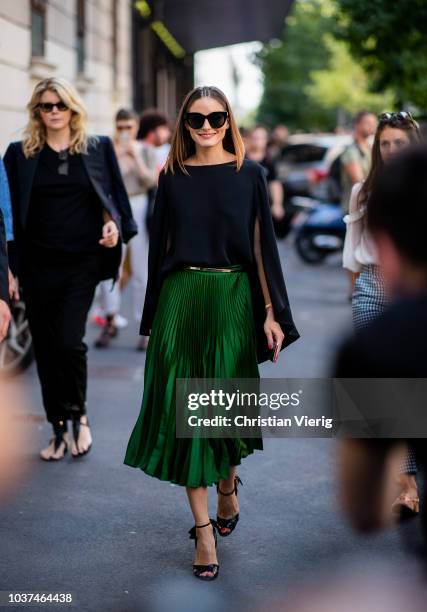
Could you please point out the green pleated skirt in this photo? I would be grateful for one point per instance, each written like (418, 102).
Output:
(203, 328)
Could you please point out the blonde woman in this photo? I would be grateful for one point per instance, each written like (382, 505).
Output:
(215, 303)
(71, 213)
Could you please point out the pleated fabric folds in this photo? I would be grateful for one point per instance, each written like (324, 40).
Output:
(203, 328)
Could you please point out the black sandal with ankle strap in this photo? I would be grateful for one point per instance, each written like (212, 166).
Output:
(76, 431)
(60, 429)
(230, 523)
(212, 568)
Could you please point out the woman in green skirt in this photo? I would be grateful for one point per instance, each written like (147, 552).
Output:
(215, 306)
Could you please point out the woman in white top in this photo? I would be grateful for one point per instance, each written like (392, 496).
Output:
(359, 255)
(394, 132)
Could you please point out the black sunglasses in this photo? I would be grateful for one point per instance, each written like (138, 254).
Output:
(396, 117)
(197, 120)
(47, 107)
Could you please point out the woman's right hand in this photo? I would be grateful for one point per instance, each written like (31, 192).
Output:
(110, 235)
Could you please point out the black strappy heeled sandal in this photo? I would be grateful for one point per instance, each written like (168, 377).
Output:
(212, 567)
(76, 430)
(230, 523)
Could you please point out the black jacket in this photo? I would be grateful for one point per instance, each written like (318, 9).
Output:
(104, 173)
(219, 233)
(4, 283)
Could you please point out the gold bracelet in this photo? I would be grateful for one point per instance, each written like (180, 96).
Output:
(268, 305)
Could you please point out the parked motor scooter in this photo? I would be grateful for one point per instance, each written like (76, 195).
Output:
(320, 229)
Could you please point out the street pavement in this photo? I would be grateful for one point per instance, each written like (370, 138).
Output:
(117, 539)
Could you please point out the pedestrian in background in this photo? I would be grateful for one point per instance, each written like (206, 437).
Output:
(69, 205)
(216, 301)
(154, 130)
(5, 203)
(356, 158)
(4, 282)
(138, 165)
(257, 151)
(395, 131)
(6, 209)
(355, 163)
(394, 345)
(278, 141)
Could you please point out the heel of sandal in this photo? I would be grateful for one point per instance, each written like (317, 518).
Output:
(212, 568)
(227, 526)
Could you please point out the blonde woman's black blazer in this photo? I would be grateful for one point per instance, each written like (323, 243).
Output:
(104, 173)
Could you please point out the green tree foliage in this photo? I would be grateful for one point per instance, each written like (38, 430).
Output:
(344, 85)
(389, 37)
(287, 64)
(311, 81)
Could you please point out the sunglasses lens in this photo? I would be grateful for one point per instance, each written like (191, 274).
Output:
(195, 120)
(217, 120)
(47, 107)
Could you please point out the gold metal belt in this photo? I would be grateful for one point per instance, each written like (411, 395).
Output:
(215, 269)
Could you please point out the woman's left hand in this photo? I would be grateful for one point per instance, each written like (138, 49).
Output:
(13, 287)
(274, 333)
(110, 235)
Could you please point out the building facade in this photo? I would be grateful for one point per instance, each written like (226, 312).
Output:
(136, 53)
(89, 42)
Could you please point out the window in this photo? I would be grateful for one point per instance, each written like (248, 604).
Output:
(38, 27)
(81, 23)
(303, 153)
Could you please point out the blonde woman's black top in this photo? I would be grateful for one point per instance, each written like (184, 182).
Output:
(65, 214)
(207, 218)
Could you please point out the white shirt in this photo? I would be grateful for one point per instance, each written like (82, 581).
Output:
(359, 248)
(162, 152)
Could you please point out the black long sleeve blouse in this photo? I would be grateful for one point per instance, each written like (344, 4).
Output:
(208, 219)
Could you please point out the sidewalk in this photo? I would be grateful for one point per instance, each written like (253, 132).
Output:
(117, 538)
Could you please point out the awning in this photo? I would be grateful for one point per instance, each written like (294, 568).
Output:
(204, 24)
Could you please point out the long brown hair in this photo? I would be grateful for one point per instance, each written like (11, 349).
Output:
(182, 145)
(394, 120)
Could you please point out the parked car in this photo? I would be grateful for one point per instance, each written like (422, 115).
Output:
(303, 169)
(304, 164)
